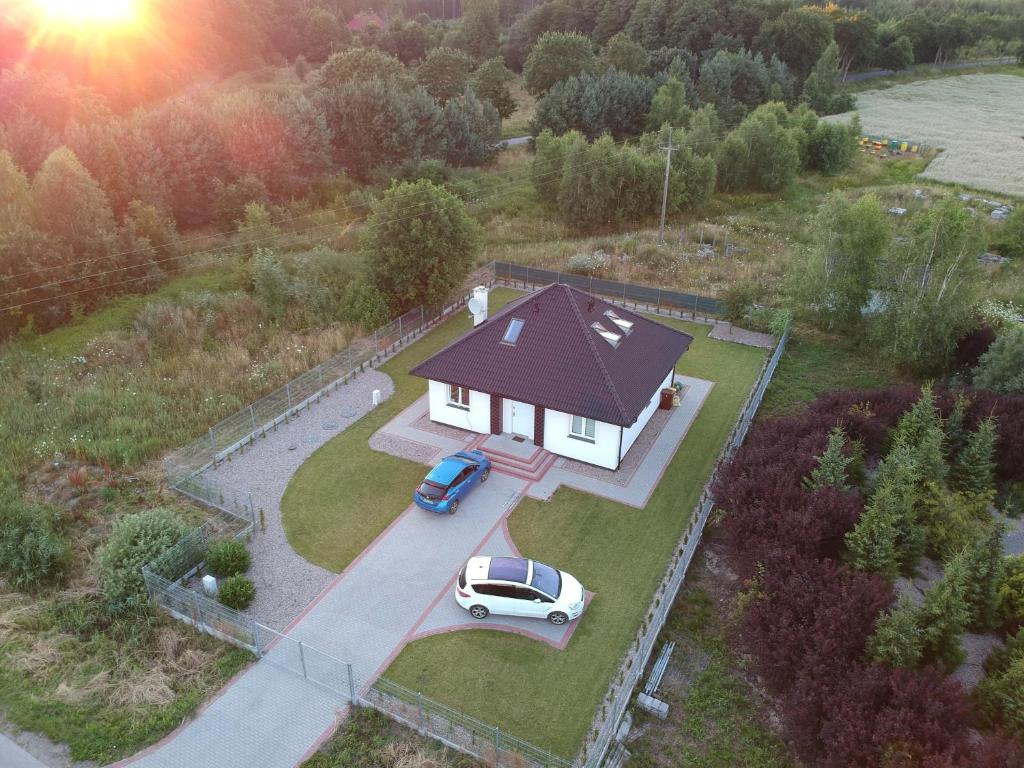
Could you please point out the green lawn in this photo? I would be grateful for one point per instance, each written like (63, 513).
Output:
(548, 696)
(346, 493)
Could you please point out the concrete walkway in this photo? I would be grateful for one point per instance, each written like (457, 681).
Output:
(268, 716)
(13, 756)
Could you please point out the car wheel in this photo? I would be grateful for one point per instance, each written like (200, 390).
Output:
(557, 618)
(453, 507)
(486, 473)
(478, 612)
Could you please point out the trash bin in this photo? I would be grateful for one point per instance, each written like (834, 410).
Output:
(667, 396)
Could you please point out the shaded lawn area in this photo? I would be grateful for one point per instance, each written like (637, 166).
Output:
(345, 494)
(547, 696)
(816, 363)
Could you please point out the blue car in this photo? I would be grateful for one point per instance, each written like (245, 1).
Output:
(451, 480)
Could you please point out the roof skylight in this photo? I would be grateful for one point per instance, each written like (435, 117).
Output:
(626, 326)
(604, 333)
(515, 327)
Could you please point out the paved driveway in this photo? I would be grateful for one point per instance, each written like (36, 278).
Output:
(270, 717)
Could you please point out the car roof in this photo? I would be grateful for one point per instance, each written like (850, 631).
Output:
(515, 569)
(447, 470)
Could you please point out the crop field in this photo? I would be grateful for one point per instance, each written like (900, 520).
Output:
(976, 119)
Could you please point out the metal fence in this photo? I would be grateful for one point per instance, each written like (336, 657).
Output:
(458, 730)
(308, 662)
(618, 697)
(642, 297)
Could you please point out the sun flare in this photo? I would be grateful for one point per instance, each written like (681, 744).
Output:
(88, 14)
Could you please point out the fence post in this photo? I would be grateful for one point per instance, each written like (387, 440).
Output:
(195, 609)
(288, 392)
(423, 316)
(351, 684)
(302, 660)
(419, 708)
(252, 511)
(399, 327)
(252, 417)
(256, 639)
(213, 446)
(659, 301)
(497, 745)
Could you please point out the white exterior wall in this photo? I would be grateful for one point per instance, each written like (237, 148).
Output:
(630, 435)
(476, 419)
(603, 451)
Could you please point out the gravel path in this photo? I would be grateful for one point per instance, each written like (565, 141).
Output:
(286, 582)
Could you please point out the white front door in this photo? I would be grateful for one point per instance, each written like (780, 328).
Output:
(521, 421)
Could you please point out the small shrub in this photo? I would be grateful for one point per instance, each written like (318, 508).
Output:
(135, 541)
(31, 551)
(653, 257)
(227, 557)
(237, 592)
(589, 263)
(1010, 592)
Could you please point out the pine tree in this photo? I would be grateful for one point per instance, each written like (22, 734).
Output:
(898, 639)
(945, 614)
(872, 543)
(983, 566)
(669, 106)
(900, 478)
(974, 468)
(832, 464)
(956, 426)
(920, 428)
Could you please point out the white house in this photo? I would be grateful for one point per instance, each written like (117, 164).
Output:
(566, 370)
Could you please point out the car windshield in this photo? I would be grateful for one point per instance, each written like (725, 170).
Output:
(546, 579)
(431, 490)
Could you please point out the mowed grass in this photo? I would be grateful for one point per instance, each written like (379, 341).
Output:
(345, 494)
(975, 119)
(549, 696)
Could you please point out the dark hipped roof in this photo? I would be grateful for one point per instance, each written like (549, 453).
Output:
(559, 361)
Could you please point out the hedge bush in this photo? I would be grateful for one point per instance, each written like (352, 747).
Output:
(227, 557)
(237, 592)
(32, 552)
(806, 616)
(135, 540)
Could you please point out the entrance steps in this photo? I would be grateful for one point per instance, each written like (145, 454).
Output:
(528, 462)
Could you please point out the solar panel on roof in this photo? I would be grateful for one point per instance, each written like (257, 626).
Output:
(507, 569)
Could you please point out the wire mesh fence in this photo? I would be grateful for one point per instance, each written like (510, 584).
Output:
(637, 657)
(645, 297)
(256, 419)
(458, 730)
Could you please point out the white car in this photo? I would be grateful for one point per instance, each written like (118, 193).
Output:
(515, 586)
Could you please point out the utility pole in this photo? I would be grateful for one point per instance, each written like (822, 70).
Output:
(664, 192)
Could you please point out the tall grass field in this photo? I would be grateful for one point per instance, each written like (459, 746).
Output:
(977, 120)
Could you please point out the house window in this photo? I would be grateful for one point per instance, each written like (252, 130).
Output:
(583, 429)
(458, 397)
(604, 333)
(625, 326)
(515, 327)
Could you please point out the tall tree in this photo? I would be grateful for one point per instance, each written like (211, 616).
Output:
(491, 83)
(472, 130)
(556, 56)
(420, 257)
(68, 202)
(1001, 368)
(944, 615)
(935, 281)
(974, 469)
(670, 106)
(836, 282)
(444, 73)
(623, 53)
(15, 196)
(898, 639)
(919, 431)
(481, 28)
(820, 89)
(983, 571)
(358, 65)
(799, 37)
